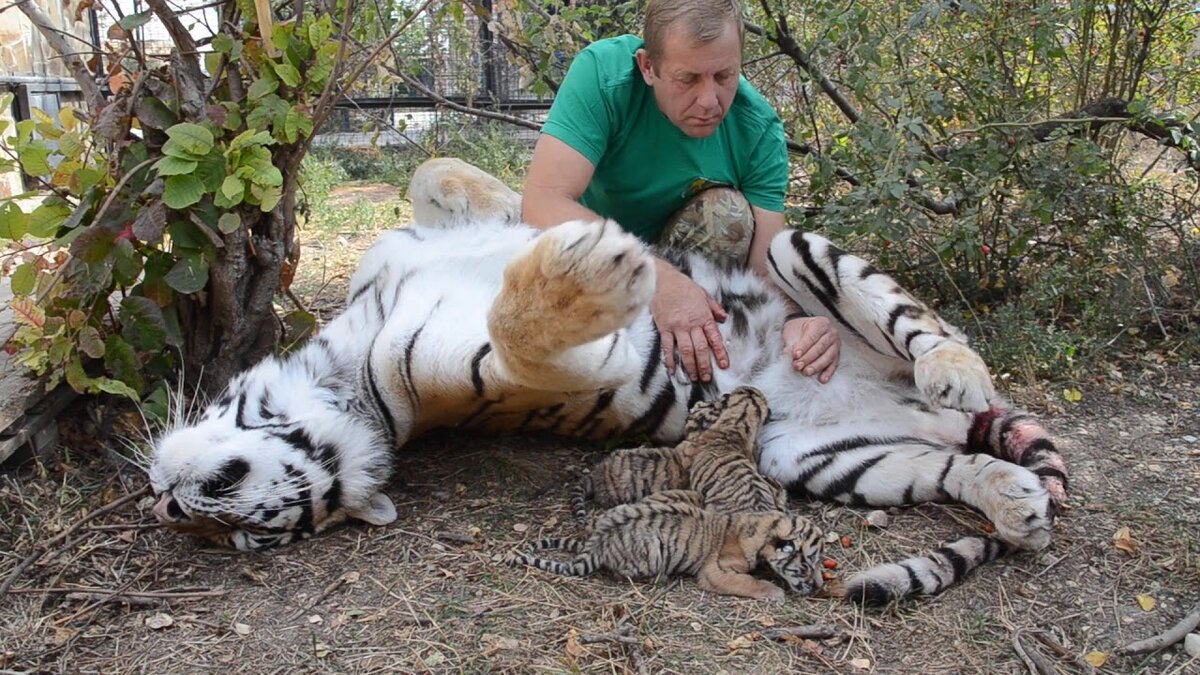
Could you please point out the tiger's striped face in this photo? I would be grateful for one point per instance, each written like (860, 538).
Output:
(253, 489)
(793, 551)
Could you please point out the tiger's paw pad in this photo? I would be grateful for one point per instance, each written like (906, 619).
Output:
(952, 375)
(608, 265)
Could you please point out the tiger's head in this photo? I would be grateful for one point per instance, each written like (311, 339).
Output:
(792, 549)
(254, 473)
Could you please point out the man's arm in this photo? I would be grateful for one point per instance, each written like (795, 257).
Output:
(812, 342)
(558, 175)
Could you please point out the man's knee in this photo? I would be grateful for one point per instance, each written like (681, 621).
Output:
(718, 222)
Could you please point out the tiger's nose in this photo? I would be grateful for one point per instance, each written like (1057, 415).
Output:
(167, 510)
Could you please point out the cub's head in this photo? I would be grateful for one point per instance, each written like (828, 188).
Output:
(241, 480)
(792, 549)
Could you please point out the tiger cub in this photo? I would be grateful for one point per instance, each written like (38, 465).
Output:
(671, 533)
(717, 458)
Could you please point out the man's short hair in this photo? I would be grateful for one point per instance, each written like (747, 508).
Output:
(705, 20)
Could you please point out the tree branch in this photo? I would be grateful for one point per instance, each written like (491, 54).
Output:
(788, 45)
(79, 70)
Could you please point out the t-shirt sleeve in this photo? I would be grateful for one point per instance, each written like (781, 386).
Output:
(579, 116)
(766, 178)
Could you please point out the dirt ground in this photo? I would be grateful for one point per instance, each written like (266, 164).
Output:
(114, 592)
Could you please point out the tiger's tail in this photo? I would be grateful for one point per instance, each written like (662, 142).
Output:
(924, 575)
(582, 491)
(582, 565)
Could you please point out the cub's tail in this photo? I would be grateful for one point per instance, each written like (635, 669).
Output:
(583, 564)
(579, 495)
(924, 575)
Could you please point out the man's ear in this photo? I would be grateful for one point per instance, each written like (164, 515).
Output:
(644, 65)
(379, 510)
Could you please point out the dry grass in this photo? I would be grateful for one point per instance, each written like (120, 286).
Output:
(429, 593)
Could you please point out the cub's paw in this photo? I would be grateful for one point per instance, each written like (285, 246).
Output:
(1019, 506)
(702, 416)
(952, 375)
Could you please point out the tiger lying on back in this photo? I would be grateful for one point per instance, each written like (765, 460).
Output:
(718, 458)
(672, 533)
(503, 328)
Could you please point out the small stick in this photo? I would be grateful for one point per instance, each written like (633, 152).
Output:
(594, 638)
(1034, 661)
(455, 537)
(1164, 639)
(153, 595)
(37, 555)
(1062, 652)
(132, 600)
(813, 632)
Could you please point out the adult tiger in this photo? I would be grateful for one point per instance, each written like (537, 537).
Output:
(500, 327)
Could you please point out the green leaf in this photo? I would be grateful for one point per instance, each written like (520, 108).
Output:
(132, 21)
(298, 326)
(261, 87)
(115, 387)
(35, 159)
(174, 166)
(192, 137)
(127, 262)
(211, 170)
(90, 343)
(233, 189)
(222, 43)
(189, 275)
(153, 113)
(122, 362)
(24, 279)
(13, 224)
(46, 219)
(297, 126)
(142, 323)
(182, 191)
(173, 148)
(269, 197)
(319, 31)
(288, 73)
(250, 138)
(229, 222)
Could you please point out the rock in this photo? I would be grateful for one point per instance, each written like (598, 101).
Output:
(878, 519)
(1191, 645)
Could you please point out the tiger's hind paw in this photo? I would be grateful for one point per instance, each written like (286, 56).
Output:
(1020, 507)
(952, 375)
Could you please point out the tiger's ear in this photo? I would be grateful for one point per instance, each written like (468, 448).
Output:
(379, 510)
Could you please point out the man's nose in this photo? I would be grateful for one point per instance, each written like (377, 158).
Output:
(708, 95)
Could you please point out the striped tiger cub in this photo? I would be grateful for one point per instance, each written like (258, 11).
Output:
(669, 533)
(717, 459)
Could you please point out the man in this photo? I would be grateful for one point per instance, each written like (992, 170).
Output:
(665, 137)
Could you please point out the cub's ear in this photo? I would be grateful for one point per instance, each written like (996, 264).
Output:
(379, 510)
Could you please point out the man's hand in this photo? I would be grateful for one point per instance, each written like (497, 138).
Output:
(686, 317)
(814, 346)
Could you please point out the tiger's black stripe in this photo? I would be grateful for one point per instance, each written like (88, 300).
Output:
(476, 363)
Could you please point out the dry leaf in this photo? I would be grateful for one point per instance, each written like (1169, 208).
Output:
(1096, 659)
(126, 536)
(434, 659)
(742, 642)
(241, 628)
(1124, 542)
(321, 650)
(62, 634)
(520, 527)
(573, 648)
(765, 621)
(878, 519)
(350, 577)
(315, 618)
(159, 621)
(1146, 602)
(861, 664)
(695, 626)
(495, 643)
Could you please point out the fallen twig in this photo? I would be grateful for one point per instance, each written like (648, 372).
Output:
(1035, 662)
(1166, 638)
(37, 555)
(107, 593)
(813, 632)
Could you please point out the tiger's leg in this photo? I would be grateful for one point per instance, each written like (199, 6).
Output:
(556, 323)
(690, 497)
(872, 308)
(1017, 437)
(714, 578)
(872, 471)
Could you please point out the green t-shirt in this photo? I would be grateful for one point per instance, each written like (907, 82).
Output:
(645, 167)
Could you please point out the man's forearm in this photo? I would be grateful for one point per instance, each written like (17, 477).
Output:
(544, 208)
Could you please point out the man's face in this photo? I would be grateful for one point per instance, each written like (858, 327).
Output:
(694, 83)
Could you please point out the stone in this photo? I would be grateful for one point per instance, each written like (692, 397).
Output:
(1191, 645)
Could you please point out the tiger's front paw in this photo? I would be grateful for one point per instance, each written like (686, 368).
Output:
(952, 375)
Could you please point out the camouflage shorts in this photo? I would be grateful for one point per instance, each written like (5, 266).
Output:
(717, 222)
